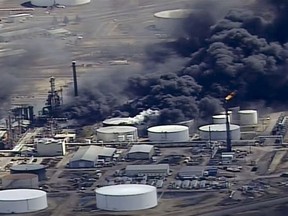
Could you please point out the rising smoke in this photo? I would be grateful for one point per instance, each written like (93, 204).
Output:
(247, 51)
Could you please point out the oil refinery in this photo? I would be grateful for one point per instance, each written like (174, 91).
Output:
(143, 107)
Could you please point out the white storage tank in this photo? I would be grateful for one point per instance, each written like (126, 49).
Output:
(72, 2)
(220, 119)
(168, 133)
(22, 201)
(229, 113)
(20, 181)
(218, 132)
(113, 133)
(126, 197)
(171, 21)
(248, 117)
(119, 121)
(48, 3)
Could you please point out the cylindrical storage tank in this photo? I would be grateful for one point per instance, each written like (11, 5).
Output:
(168, 133)
(126, 197)
(219, 132)
(171, 21)
(20, 181)
(72, 2)
(37, 169)
(220, 119)
(230, 113)
(248, 117)
(118, 122)
(22, 201)
(111, 134)
(48, 3)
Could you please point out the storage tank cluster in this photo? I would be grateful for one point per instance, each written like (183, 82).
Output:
(15, 181)
(117, 133)
(49, 3)
(241, 117)
(126, 197)
(218, 132)
(168, 133)
(22, 201)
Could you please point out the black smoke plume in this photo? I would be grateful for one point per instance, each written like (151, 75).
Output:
(246, 50)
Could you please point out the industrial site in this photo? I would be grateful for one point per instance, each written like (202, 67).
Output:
(143, 107)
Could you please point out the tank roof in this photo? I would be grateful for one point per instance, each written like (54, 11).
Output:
(116, 129)
(174, 14)
(224, 112)
(217, 127)
(219, 116)
(19, 176)
(167, 128)
(27, 167)
(125, 189)
(118, 121)
(247, 111)
(20, 194)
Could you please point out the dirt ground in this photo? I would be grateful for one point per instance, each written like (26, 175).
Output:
(280, 210)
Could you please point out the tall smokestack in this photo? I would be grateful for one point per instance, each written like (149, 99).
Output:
(227, 99)
(75, 78)
(228, 133)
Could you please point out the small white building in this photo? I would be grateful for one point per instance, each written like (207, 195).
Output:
(50, 147)
(69, 137)
(227, 157)
(149, 170)
(140, 152)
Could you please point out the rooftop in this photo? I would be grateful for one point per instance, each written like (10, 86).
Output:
(189, 171)
(91, 153)
(141, 148)
(2, 133)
